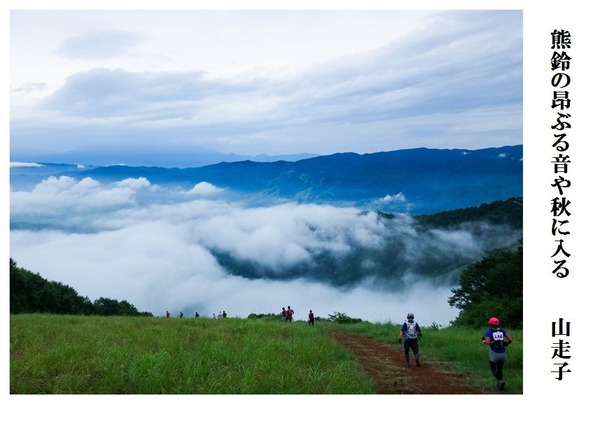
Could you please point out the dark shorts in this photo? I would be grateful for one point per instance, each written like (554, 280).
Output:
(411, 343)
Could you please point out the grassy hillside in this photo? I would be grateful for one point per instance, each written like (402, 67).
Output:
(148, 355)
(53, 354)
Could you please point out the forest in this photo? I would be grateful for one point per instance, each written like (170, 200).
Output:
(31, 293)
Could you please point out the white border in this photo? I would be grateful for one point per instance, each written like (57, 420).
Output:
(545, 404)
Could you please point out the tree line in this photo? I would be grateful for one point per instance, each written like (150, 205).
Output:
(492, 286)
(31, 293)
(507, 212)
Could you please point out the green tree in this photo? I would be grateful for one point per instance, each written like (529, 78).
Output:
(342, 318)
(490, 287)
(31, 293)
(19, 299)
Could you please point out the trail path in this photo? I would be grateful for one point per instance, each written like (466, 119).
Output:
(385, 365)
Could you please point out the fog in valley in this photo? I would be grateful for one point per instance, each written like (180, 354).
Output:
(198, 250)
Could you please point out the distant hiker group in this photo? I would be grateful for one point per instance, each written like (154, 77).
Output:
(222, 315)
(287, 315)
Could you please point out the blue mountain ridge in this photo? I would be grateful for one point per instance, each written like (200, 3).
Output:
(417, 181)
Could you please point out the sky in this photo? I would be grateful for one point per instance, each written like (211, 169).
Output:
(119, 86)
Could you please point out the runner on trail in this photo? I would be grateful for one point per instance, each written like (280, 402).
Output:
(311, 318)
(497, 338)
(411, 331)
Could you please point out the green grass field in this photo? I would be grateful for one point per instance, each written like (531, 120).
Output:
(52, 354)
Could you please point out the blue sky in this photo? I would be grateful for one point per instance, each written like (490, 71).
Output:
(118, 86)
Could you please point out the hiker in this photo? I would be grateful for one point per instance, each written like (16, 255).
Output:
(197, 315)
(181, 314)
(224, 314)
(283, 314)
(168, 314)
(311, 318)
(290, 313)
(214, 317)
(497, 338)
(411, 331)
(220, 315)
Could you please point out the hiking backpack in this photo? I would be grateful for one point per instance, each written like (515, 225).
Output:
(412, 330)
(497, 339)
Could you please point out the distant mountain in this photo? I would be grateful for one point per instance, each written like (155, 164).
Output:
(166, 156)
(418, 181)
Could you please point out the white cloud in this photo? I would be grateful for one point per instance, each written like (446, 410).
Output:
(159, 249)
(304, 83)
(25, 165)
(289, 234)
(97, 45)
(157, 269)
(399, 198)
(204, 189)
(72, 199)
(139, 183)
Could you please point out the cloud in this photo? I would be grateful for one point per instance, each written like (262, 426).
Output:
(391, 199)
(71, 202)
(100, 44)
(288, 235)
(118, 93)
(170, 250)
(455, 81)
(25, 165)
(138, 183)
(204, 189)
(454, 63)
(30, 87)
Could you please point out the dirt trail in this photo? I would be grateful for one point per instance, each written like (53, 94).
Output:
(385, 365)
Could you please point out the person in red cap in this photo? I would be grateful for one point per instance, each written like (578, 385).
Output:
(497, 338)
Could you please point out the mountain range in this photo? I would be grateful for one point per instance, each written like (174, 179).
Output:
(417, 181)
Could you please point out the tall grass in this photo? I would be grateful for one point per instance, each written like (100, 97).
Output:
(146, 355)
(453, 348)
(51, 354)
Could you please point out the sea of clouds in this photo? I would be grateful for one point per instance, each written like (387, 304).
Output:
(198, 250)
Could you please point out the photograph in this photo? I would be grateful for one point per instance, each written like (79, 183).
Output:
(286, 209)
